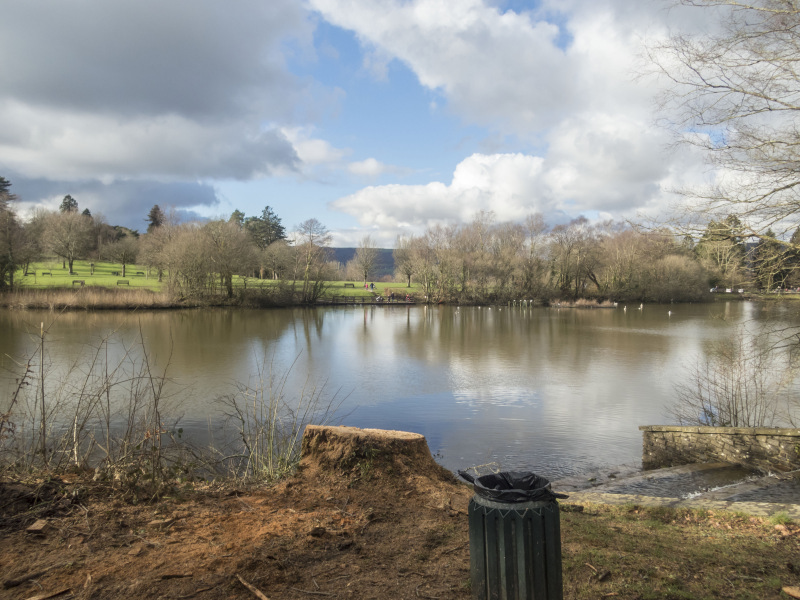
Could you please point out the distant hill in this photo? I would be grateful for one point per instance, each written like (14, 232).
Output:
(384, 266)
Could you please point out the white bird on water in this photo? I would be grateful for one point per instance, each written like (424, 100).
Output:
(669, 313)
(641, 306)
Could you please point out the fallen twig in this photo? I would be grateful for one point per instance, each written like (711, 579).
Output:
(310, 592)
(368, 523)
(194, 593)
(9, 583)
(252, 588)
(47, 595)
(457, 548)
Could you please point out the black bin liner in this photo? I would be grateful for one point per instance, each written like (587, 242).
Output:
(514, 537)
(512, 486)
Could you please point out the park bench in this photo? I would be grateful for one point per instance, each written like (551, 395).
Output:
(47, 273)
(352, 285)
(81, 281)
(115, 273)
(123, 282)
(140, 272)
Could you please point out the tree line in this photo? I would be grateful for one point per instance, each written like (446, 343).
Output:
(193, 259)
(480, 261)
(487, 261)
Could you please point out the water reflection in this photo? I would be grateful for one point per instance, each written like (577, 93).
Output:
(558, 391)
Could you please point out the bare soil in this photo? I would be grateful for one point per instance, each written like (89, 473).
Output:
(360, 519)
(368, 515)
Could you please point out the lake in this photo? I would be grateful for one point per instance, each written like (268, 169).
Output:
(556, 391)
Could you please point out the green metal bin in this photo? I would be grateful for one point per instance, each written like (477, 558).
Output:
(515, 549)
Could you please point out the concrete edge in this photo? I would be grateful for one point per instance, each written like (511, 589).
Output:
(756, 509)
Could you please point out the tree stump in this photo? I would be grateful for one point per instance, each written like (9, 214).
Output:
(380, 452)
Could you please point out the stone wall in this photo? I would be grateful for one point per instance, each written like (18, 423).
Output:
(768, 449)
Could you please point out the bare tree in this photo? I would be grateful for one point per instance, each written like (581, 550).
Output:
(230, 251)
(277, 258)
(124, 251)
(366, 257)
(68, 235)
(184, 256)
(403, 258)
(575, 252)
(735, 94)
(742, 381)
(152, 248)
(311, 248)
(423, 259)
(534, 266)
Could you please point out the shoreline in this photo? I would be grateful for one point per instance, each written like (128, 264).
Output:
(105, 298)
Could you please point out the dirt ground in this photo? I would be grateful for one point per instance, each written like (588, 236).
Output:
(368, 515)
(361, 519)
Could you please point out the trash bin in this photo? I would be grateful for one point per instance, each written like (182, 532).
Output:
(514, 537)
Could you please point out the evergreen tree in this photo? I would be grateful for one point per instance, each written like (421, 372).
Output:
(265, 229)
(237, 217)
(5, 195)
(68, 204)
(11, 236)
(155, 218)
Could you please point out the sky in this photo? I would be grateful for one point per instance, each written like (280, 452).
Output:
(375, 117)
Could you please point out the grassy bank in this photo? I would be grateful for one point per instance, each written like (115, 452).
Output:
(101, 285)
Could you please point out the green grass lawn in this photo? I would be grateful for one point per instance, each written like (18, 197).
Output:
(51, 274)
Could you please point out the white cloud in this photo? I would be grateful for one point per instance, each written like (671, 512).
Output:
(562, 78)
(502, 183)
(367, 168)
(495, 69)
(70, 146)
(600, 168)
(313, 151)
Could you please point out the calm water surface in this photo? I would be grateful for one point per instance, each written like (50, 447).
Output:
(559, 392)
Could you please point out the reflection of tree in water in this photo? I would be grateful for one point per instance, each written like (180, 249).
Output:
(532, 338)
(743, 380)
(205, 347)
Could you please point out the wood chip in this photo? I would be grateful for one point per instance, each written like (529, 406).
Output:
(792, 591)
(252, 588)
(47, 595)
(159, 523)
(39, 527)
